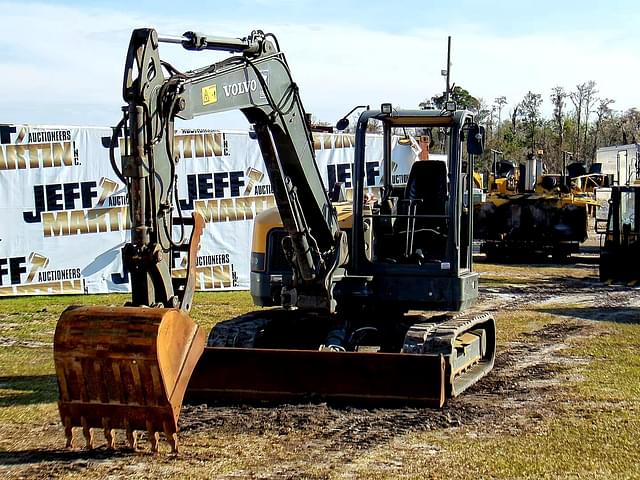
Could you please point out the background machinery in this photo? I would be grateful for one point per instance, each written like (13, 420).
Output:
(343, 332)
(528, 213)
(620, 242)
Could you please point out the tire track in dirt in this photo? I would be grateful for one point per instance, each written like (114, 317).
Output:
(525, 373)
(516, 395)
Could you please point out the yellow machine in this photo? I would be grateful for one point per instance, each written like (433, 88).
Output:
(528, 213)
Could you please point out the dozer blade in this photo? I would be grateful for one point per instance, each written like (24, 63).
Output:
(124, 368)
(440, 359)
(250, 375)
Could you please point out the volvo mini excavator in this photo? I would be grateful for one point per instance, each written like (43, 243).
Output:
(346, 329)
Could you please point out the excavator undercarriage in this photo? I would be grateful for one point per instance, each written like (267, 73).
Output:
(415, 361)
(346, 326)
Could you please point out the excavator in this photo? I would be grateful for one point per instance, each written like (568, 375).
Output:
(349, 322)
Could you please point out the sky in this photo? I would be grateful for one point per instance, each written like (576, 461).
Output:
(61, 63)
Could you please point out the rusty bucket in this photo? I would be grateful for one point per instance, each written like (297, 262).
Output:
(124, 368)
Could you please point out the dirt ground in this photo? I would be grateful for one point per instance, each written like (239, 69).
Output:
(528, 386)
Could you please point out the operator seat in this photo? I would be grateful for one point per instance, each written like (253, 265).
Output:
(426, 193)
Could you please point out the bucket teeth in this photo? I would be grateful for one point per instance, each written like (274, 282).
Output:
(68, 432)
(172, 438)
(109, 434)
(132, 439)
(88, 434)
(153, 437)
(124, 368)
(130, 434)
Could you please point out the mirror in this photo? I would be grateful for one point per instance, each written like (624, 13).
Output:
(342, 124)
(475, 139)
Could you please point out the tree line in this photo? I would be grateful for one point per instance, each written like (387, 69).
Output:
(581, 122)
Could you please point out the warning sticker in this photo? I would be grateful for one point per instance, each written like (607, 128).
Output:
(209, 95)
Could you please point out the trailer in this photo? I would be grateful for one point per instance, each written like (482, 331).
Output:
(621, 161)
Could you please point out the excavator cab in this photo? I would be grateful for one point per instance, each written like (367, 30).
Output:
(415, 240)
(402, 229)
(409, 250)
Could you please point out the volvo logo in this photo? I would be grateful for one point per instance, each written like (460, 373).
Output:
(246, 86)
(239, 88)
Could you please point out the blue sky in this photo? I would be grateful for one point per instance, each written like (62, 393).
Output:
(61, 62)
(505, 17)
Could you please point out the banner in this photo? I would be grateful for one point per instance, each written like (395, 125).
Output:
(64, 214)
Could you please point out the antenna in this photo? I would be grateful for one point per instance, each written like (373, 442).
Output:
(448, 70)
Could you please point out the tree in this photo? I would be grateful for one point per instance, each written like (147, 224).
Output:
(603, 112)
(590, 125)
(630, 126)
(500, 102)
(589, 101)
(463, 99)
(558, 96)
(530, 106)
(514, 118)
(582, 99)
(484, 113)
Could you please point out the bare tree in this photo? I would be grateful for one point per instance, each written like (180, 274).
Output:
(577, 98)
(500, 103)
(603, 113)
(558, 96)
(589, 101)
(581, 98)
(514, 118)
(630, 126)
(483, 114)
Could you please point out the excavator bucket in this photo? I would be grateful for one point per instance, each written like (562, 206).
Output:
(124, 368)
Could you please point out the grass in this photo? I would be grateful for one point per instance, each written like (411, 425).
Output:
(613, 375)
(601, 446)
(210, 308)
(587, 430)
(510, 325)
(590, 430)
(493, 275)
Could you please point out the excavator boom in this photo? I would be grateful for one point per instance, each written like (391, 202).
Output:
(128, 367)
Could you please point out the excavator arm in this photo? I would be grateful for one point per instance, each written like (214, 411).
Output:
(128, 367)
(258, 83)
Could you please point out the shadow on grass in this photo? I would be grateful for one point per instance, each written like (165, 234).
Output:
(581, 260)
(29, 390)
(33, 456)
(602, 314)
(551, 283)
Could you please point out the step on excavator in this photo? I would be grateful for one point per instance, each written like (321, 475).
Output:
(349, 323)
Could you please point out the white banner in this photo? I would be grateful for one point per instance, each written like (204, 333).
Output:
(64, 216)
